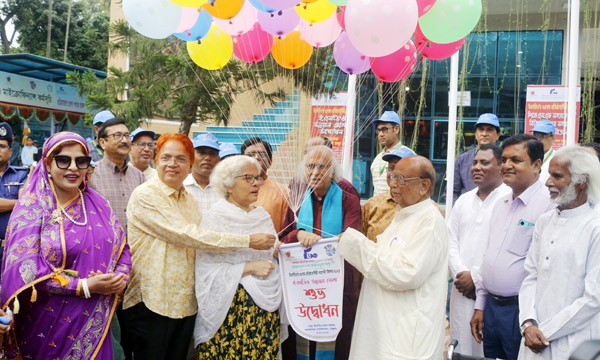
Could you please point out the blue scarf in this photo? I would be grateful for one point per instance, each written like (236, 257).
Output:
(331, 218)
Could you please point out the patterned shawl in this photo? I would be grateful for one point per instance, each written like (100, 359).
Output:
(46, 254)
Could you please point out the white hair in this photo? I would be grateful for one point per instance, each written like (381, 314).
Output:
(223, 175)
(584, 167)
(326, 153)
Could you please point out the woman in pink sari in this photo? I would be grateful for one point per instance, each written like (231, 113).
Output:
(66, 261)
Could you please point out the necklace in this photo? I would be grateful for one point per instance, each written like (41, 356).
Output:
(84, 223)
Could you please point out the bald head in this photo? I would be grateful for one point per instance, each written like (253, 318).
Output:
(412, 180)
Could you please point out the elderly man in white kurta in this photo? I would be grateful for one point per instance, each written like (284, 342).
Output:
(401, 309)
(559, 300)
(468, 231)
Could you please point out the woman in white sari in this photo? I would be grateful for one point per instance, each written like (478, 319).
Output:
(238, 290)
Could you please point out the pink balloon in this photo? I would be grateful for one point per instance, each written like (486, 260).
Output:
(347, 58)
(189, 16)
(280, 4)
(279, 22)
(241, 23)
(395, 66)
(380, 27)
(252, 46)
(435, 51)
(424, 6)
(320, 34)
(341, 11)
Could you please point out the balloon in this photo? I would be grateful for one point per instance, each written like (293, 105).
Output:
(240, 23)
(316, 11)
(450, 20)
(213, 51)
(260, 7)
(156, 19)
(435, 51)
(189, 16)
(279, 23)
(396, 66)
(291, 52)
(253, 46)
(223, 9)
(339, 2)
(279, 4)
(189, 3)
(339, 14)
(320, 34)
(347, 58)
(424, 6)
(199, 29)
(380, 27)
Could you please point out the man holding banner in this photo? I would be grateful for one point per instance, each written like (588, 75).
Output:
(401, 310)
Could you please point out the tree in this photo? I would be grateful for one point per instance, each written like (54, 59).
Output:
(13, 11)
(88, 32)
(163, 81)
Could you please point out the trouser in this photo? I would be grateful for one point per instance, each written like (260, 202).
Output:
(501, 335)
(157, 337)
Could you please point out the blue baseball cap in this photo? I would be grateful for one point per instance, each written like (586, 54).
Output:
(488, 118)
(139, 131)
(101, 117)
(544, 126)
(228, 149)
(389, 117)
(399, 154)
(206, 140)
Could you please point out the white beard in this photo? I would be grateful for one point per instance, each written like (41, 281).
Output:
(566, 197)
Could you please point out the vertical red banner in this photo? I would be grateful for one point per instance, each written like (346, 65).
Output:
(328, 119)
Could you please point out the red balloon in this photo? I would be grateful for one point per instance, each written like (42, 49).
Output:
(435, 51)
(397, 65)
(252, 46)
(341, 10)
(424, 6)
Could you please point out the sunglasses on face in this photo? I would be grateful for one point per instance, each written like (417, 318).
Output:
(63, 161)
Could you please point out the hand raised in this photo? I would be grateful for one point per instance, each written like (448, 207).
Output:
(262, 241)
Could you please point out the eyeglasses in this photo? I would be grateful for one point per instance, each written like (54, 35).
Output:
(541, 135)
(311, 167)
(382, 130)
(119, 136)
(250, 179)
(179, 160)
(401, 179)
(142, 145)
(262, 154)
(64, 162)
(4, 147)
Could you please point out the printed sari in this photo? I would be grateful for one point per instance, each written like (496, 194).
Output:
(48, 252)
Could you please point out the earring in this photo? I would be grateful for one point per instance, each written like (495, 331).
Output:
(49, 176)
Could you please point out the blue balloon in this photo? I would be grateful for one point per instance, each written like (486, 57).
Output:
(199, 29)
(260, 7)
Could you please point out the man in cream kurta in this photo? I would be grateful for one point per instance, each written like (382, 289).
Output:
(401, 309)
(559, 299)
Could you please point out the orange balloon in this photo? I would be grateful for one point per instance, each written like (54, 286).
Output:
(291, 52)
(223, 9)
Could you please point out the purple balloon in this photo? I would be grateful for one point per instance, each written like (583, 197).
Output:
(199, 29)
(280, 22)
(280, 4)
(347, 58)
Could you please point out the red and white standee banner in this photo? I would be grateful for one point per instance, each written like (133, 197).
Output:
(312, 280)
(549, 102)
(328, 119)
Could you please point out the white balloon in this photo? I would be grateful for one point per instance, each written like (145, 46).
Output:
(156, 19)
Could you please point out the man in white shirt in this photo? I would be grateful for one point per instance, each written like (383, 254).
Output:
(387, 128)
(544, 131)
(197, 183)
(559, 300)
(468, 231)
(401, 309)
(142, 152)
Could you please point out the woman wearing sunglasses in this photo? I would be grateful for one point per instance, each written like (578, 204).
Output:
(66, 262)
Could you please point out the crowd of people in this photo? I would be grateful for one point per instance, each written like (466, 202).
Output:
(132, 247)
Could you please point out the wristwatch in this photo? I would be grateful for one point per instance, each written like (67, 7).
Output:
(525, 325)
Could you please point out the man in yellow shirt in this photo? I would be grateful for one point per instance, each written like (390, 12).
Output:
(163, 234)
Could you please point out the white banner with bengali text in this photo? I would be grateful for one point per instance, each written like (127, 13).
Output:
(313, 287)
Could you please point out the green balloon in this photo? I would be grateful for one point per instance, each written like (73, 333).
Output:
(339, 2)
(450, 20)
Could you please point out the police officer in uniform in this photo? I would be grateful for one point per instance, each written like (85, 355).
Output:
(12, 179)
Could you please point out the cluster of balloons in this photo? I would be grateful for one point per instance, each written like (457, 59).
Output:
(381, 35)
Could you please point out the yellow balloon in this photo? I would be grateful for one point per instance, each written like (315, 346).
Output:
(291, 52)
(317, 11)
(224, 9)
(189, 3)
(213, 51)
